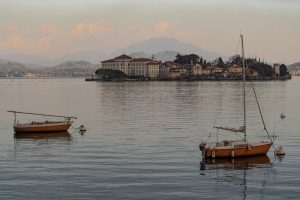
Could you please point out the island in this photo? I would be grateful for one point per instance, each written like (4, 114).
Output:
(187, 67)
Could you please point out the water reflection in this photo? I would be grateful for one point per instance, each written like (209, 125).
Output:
(241, 174)
(235, 164)
(35, 135)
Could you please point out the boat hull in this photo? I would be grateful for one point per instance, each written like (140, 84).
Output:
(250, 150)
(42, 128)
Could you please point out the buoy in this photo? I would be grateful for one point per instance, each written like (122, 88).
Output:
(282, 115)
(82, 128)
(280, 151)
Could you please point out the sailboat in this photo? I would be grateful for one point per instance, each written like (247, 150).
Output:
(242, 147)
(42, 126)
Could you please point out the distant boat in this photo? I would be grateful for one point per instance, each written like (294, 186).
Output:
(42, 126)
(238, 148)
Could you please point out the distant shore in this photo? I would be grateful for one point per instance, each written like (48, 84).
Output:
(281, 78)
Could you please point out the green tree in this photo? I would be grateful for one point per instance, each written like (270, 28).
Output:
(187, 59)
(282, 70)
(109, 74)
(220, 62)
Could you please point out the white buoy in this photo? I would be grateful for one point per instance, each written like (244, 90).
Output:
(282, 115)
(280, 151)
(82, 128)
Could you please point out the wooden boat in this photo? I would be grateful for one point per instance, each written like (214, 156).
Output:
(42, 126)
(238, 148)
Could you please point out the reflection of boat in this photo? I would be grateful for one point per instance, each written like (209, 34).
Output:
(238, 172)
(42, 126)
(238, 148)
(240, 163)
(36, 135)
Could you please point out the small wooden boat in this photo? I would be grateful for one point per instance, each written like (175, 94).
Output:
(42, 126)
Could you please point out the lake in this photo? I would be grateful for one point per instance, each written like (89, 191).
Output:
(142, 140)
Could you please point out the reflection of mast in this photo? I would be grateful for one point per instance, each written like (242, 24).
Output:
(245, 185)
(239, 168)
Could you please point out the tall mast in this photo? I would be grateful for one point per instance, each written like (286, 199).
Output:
(244, 86)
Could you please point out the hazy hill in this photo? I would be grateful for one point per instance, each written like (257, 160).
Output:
(35, 62)
(155, 45)
(8, 68)
(71, 68)
(94, 57)
(32, 61)
(294, 66)
(160, 56)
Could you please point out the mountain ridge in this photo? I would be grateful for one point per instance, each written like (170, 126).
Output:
(162, 44)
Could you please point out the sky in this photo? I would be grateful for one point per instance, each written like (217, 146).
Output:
(58, 27)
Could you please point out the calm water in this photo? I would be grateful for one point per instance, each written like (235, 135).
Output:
(142, 141)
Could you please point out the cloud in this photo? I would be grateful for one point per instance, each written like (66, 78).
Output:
(162, 28)
(86, 29)
(11, 38)
(49, 29)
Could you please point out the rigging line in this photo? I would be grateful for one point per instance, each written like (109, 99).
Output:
(261, 116)
(237, 46)
(219, 108)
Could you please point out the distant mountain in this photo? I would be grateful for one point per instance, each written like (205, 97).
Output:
(8, 68)
(70, 68)
(294, 66)
(90, 56)
(160, 56)
(35, 62)
(166, 55)
(32, 61)
(155, 45)
(139, 55)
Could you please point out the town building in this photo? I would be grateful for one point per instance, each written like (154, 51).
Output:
(120, 63)
(138, 67)
(153, 69)
(276, 68)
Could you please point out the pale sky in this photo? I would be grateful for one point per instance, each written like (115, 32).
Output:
(53, 28)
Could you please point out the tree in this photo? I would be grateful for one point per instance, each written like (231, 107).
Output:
(109, 74)
(282, 70)
(201, 61)
(220, 62)
(187, 59)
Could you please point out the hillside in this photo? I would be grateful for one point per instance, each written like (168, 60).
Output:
(70, 69)
(294, 66)
(160, 56)
(8, 68)
(156, 45)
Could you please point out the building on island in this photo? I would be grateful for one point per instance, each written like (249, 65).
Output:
(153, 69)
(138, 67)
(150, 69)
(120, 63)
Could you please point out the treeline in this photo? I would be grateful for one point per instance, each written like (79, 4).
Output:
(264, 69)
(110, 74)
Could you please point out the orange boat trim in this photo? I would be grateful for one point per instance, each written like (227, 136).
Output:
(251, 150)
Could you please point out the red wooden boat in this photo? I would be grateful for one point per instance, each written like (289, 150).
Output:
(42, 126)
